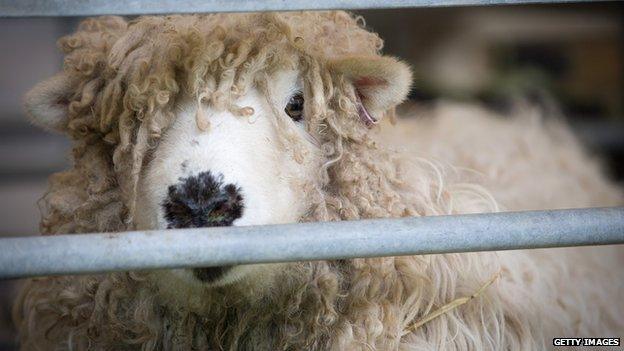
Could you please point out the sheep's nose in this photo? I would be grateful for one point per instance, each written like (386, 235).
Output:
(202, 200)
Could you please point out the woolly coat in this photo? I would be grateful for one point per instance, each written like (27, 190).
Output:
(123, 82)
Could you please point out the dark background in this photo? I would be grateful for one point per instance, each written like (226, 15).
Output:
(569, 53)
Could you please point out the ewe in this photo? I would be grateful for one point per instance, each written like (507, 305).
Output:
(246, 119)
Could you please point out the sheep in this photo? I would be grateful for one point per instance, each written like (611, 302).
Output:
(249, 119)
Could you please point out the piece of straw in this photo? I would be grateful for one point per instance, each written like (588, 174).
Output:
(450, 306)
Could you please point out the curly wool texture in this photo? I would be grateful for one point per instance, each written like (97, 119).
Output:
(126, 84)
(128, 76)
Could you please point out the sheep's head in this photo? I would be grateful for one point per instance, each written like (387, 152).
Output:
(200, 121)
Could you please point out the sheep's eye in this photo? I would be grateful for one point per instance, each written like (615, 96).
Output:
(294, 108)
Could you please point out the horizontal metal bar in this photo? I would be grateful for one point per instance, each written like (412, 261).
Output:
(204, 247)
(36, 8)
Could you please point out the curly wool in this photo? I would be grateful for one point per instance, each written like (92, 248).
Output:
(125, 88)
(127, 78)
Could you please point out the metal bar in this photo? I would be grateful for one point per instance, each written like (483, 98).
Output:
(204, 247)
(37, 8)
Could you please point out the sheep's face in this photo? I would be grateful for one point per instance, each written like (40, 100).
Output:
(212, 167)
(256, 169)
(237, 171)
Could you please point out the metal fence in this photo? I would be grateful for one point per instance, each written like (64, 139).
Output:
(102, 252)
(205, 247)
(30, 8)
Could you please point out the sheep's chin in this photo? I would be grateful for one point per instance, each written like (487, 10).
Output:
(181, 286)
(255, 274)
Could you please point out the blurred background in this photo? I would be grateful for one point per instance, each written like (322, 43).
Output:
(570, 53)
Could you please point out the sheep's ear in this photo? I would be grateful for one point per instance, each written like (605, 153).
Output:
(381, 82)
(47, 103)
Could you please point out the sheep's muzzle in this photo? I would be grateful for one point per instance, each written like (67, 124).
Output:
(199, 201)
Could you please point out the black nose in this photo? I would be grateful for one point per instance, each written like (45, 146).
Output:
(203, 201)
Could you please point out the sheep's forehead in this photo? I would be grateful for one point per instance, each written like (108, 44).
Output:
(329, 33)
(142, 69)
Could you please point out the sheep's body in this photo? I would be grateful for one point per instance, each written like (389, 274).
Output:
(460, 161)
(528, 162)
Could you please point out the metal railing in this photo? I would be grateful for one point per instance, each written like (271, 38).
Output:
(36, 8)
(205, 247)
